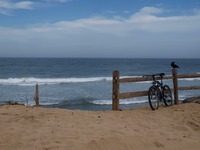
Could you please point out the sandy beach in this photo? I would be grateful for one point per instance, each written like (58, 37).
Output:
(169, 128)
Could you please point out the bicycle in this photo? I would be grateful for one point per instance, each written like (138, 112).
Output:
(158, 92)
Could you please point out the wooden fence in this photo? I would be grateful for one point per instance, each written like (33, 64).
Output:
(116, 95)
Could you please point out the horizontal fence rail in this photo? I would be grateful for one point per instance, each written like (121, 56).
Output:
(116, 95)
(139, 79)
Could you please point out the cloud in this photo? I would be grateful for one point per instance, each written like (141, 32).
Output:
(144, 34)
(145, 20)
(146, 14)
(149, 11)
(61, 1)
(5, 4)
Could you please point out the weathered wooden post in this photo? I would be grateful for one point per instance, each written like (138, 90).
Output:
(175, 83)
(115, 92)
(36, 98)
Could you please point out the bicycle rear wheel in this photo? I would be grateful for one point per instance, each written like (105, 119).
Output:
(167, 95)
(154, 97)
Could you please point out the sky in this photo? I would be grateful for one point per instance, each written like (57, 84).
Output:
(100, 28)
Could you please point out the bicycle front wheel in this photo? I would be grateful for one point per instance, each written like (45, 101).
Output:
(167, 95)
(154, 97)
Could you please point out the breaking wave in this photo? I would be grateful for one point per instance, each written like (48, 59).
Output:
(31, 81)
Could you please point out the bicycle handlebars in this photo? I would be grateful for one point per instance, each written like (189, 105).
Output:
(154, 75)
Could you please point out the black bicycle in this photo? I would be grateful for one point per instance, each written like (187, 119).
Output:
(158, 92)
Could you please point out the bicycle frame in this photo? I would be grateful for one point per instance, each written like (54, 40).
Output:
(158, 92)
(159, 85)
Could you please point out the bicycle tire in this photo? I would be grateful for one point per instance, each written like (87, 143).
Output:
(167, 95)
(154, 97)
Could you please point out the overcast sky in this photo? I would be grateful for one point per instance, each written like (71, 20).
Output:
(100, 28)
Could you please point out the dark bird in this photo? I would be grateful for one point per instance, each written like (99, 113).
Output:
(173, 65)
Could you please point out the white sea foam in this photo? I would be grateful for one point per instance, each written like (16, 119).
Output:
(123, 101)
(102, 102)
(190, 79)
(30, 81)
(132, 101)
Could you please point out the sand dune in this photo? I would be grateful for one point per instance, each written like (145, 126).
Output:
(169, 128)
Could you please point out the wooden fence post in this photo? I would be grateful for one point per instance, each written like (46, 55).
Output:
(115, 92)
(175, 83)
(36, 98)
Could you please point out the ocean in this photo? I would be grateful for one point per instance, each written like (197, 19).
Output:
(85, 83)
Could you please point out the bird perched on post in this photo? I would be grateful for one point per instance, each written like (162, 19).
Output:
(173, 65)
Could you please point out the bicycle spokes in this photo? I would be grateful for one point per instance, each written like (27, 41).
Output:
(167, 95)
(154, 97)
